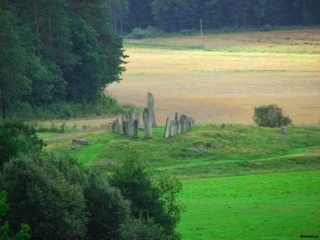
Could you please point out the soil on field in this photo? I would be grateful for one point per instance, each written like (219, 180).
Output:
(223, 85)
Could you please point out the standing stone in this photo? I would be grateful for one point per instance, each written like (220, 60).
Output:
(135, 128)
(167, 129)
(147, 123)
(130, 124)
(183, 123)
(283, 130)
(189, 122)
(117, 128)
(151, 109)
(122, 129)
(136, 115)
(172, 128)
(177, 124)
(112, 127)
(125, 127)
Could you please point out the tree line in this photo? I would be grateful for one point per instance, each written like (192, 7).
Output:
(177, 15)
(51, 196)
(56, 51)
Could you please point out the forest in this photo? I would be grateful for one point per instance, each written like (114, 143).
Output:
(54, 52)
(177, 15)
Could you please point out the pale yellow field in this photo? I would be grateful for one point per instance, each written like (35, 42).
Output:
(223, 81)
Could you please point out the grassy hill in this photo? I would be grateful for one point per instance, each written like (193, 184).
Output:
(205, 151)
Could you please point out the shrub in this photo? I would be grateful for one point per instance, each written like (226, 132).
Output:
(136, 229)
(140, 33)
(188, 32)
(17, 138)
(154, 199)
(266, 28)
(270, 116)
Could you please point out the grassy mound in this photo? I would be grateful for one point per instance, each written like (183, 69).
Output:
(205, 151)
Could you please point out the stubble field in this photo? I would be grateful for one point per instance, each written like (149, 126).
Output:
(222, 77)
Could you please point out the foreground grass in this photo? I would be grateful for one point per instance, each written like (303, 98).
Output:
(264, 206)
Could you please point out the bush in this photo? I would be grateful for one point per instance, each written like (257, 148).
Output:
(104, 105)
(140, 33)
(188, 32)
(136, 229)
(270, 116)
(22, 111)
(60, 199)
(17, 138)
(150, 198)
(23, 233)
(266, 28)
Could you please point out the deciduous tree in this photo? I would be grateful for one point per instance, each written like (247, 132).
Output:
(150, 199)
(270, 116)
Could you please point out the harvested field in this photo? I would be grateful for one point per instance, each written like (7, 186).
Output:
(224, 76)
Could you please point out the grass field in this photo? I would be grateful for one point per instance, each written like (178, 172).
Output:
(240, 182)
(266, 206)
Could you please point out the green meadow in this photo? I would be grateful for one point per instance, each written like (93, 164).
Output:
(260, 206)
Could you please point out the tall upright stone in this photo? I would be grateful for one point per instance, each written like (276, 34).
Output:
(135, 128)
(136, 115)
(177, 124)
(151, 109)
(172, 128)
(147, 123)
(117, 127)
(130, 124)
(183, 123)
(167, 128)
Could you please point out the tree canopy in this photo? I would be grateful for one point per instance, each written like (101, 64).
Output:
(176, 15)
(22, 234)
(69, 53)
(60, 199)
(151, 199)
(17, 138)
